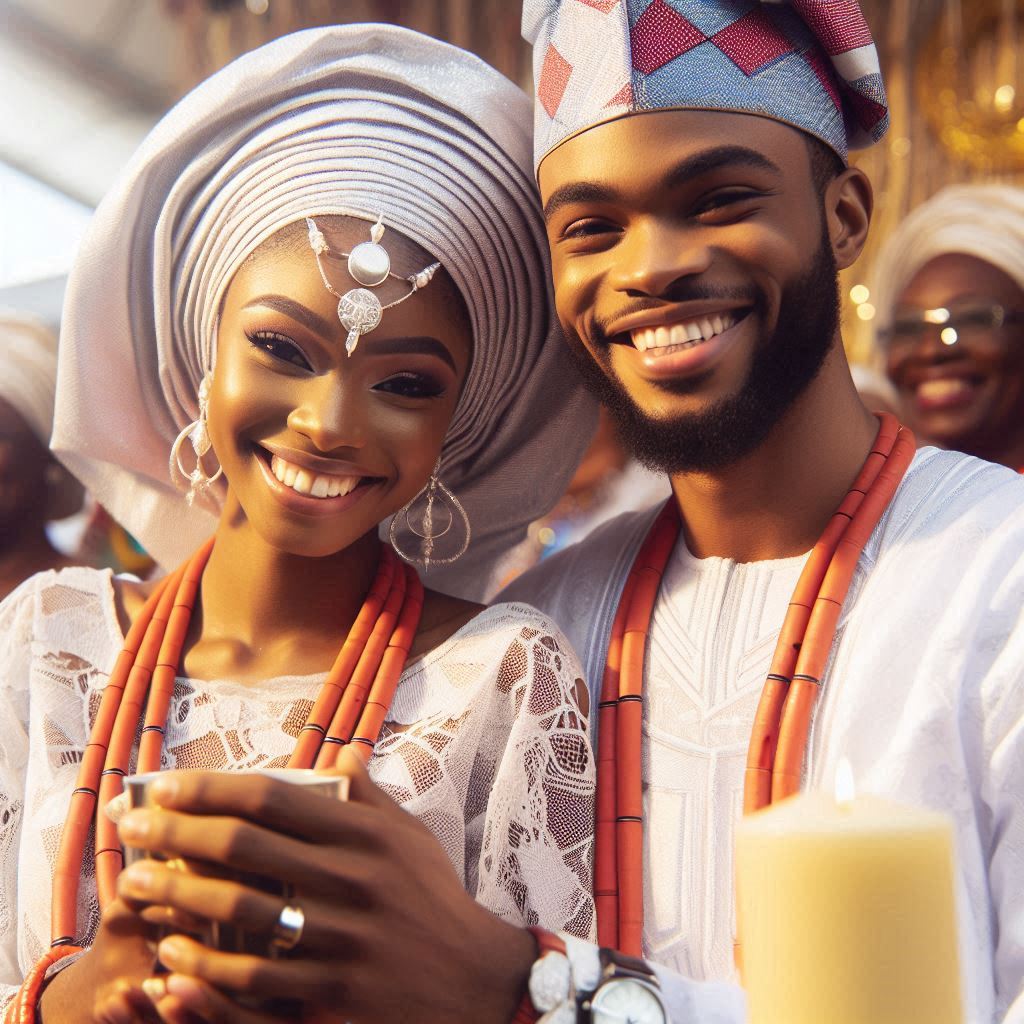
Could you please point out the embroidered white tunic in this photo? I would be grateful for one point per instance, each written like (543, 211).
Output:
(485, 744)
(924, 694)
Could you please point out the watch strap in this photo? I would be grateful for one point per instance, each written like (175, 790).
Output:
(617, 965)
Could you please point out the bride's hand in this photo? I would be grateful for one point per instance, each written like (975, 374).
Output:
(388, 927)
(104, 983)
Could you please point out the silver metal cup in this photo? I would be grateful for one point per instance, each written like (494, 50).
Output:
(229, 937)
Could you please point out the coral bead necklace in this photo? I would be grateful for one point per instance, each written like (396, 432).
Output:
(778, 741)
(351, 708)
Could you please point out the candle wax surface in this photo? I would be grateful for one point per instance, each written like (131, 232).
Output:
(846, 913)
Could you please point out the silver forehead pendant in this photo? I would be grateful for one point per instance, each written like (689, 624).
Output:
(369, 265)
(360, 312)
(369, 262)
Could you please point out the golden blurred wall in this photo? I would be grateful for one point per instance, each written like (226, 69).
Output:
(219, 30)
(944, 62)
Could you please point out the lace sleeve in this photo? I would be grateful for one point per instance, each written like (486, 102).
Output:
(538, 828)
(17, 614)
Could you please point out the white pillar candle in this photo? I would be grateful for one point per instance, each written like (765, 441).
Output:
(846, 913)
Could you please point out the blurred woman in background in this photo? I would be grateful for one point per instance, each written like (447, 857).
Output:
(35, 488)
(950, 321)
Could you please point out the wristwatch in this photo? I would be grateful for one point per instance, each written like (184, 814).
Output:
(628, 993)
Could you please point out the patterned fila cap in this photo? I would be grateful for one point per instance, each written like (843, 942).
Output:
(808, 63)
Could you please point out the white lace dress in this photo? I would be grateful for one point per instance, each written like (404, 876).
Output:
(486, 745)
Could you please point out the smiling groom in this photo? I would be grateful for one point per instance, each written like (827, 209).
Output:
(815, 588)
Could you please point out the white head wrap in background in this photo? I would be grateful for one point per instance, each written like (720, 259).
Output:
(357, 120)
(986, 221)
(28, 370)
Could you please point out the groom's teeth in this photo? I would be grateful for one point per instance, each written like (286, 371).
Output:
(318, 485)
(689, 332)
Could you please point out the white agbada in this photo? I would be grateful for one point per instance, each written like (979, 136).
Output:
(924, 694)
(485, 744)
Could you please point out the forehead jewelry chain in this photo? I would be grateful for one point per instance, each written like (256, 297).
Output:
(369, 265)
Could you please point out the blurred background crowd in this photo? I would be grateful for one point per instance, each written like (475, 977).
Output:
(934, 311)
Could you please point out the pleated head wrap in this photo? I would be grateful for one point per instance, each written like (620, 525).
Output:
(351, 120)
(985, 221)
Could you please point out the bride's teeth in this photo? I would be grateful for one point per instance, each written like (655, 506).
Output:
(318, 485)
(661, 337)
(677, 334)
(706, 329)
(717, 324)
(692, 332)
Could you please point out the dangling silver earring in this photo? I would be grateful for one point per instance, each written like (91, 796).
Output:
(199, 436)
(434, 521)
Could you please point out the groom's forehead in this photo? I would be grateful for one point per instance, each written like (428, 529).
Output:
(665, 150)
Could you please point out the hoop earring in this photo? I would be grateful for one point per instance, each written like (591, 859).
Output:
(435, 521)
(199, 436)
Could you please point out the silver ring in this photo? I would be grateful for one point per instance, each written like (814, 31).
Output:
(288, 928)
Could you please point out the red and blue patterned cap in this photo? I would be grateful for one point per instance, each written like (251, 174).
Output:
(811, 64)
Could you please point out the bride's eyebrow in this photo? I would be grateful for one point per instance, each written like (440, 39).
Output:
(298, 312)
(424, 346)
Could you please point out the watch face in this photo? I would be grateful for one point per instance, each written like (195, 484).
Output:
(627, 1001)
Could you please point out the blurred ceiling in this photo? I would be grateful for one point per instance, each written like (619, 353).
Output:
(82, 83)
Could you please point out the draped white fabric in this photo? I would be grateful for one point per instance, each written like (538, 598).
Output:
(485, 744)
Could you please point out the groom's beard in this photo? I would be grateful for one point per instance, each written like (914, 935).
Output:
(783, 367)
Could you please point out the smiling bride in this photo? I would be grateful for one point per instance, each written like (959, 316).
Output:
(318, 291)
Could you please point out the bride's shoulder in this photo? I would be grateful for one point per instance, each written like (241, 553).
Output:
(443, 616)
(447, 618)
(512, 636)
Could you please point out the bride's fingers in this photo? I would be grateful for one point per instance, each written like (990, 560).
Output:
(188, 1000)
(228, 902)
(174, 919)
(123, 1003)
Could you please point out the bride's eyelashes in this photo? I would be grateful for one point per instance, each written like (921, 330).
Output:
(279, 347)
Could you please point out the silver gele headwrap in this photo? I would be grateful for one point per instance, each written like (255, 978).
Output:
(358, 120)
